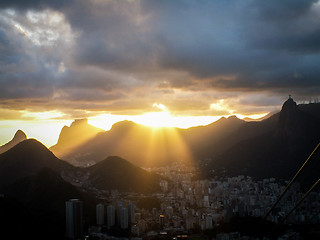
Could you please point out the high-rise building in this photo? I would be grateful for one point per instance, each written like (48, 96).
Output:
(119, 206)
(124, 218)
(100, 214)
(161, 221)
(131, 213)
(74, 219)
(111, 216)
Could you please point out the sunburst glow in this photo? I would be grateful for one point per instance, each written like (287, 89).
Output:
(153, 119)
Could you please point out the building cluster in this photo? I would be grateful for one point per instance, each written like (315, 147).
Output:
(187, 205)
(119, 215)
(209, 202)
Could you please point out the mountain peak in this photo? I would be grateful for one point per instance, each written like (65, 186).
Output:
(30, 146)
(294, 123)
(117, 173)
(289, 105)
(79, 132)
(27, 158)
(19, 136)
(233, 117)
(123, 125)
(114, 160)
(82, 121)
(289, 110)
(230, 119)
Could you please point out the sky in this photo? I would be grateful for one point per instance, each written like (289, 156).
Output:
(144, 60)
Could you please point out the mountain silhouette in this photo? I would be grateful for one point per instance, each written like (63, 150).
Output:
(278, 147)
(30, 156)
(126, 139)
(274, 147)
(19, 136)
(117, 173)
(27, 158)
(147, 146)
(295, 123)
(71, 137)
(34, 186)
(205, 140)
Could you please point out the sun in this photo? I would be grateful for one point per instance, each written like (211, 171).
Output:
(156, 119)
(161, 118)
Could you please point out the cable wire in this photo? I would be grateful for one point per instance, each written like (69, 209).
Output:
(287, 187)
(295, 206)
(291, 182)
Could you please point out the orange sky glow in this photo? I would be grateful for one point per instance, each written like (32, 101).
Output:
(46, 126)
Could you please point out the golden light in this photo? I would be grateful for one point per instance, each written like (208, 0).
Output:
(160, 106)
(166, 144)
(156, 131)
(44, 126)
(46, 131)
(156, 119)
(161, 145)
(105, 121)
(51, 122)
(252, 116)
(153, 119)
(221, 106)
(42, 115)
(150, 119)
(218, 106)
(166, 119)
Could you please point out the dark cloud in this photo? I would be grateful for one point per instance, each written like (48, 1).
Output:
(284, 10)
(112, 51)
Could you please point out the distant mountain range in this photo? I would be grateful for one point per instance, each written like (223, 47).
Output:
(274, 146)
(140, 144)
(147, 146)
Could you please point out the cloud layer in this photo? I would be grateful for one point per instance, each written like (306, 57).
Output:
(123, 56)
